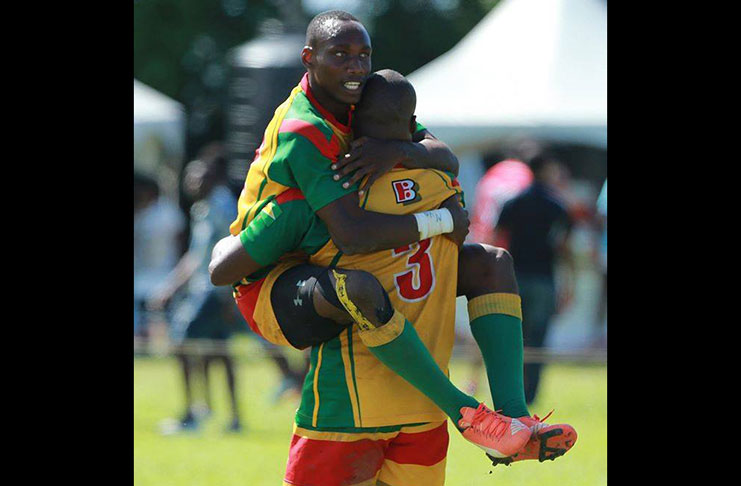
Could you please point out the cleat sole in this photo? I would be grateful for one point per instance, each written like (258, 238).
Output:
(552, 444)
(495, 461)
(550, 453)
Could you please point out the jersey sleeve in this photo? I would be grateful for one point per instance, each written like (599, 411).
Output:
(310, 156)
(283, 228)
(275, 231)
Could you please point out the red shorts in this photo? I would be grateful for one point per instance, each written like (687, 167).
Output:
(412, 456)
(246, 298)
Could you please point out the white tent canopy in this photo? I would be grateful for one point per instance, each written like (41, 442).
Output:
(534, 68)
(152, 106)
(159, 128)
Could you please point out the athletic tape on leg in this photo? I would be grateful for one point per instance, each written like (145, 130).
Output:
(341, 289)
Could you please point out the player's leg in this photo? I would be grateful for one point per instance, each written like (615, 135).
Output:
(301, 312)
(391, 338)
(486, 277)
(314, 304)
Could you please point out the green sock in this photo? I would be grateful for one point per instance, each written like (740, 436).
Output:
(496, 324)
(397, 345)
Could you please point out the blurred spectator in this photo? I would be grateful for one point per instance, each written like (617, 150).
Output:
(534, 227)
(502, 182)
(601, 258)
(204, 311)
(159, 227)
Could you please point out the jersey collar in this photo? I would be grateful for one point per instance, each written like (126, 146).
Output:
(326, 114)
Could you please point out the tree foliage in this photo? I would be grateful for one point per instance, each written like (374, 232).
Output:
(411, 33)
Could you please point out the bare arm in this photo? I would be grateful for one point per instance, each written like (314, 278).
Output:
(230, 262)
(355, 230)
(349, 227)
(374, 157)
(430, 153)
(178, 277)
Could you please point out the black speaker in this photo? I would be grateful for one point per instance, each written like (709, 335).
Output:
(263, 72)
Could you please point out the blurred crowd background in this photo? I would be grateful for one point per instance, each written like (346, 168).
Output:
(517, 88)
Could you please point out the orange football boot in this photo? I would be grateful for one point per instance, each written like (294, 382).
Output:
(547, 442)
(499, 436)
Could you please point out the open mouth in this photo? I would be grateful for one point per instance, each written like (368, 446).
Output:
(352, 85)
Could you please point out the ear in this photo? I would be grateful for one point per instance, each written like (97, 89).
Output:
(413, 124)
(307, 56)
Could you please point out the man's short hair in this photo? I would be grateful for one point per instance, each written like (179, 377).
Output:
(321, 26)
(389, 96)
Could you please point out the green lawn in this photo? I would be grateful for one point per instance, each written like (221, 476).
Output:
(257, 457)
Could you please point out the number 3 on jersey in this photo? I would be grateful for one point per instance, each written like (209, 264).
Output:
(418, 281)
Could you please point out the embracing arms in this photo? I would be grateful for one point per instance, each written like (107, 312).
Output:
(374, 157)
(355, 230)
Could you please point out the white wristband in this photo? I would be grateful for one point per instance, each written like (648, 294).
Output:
(433, 223)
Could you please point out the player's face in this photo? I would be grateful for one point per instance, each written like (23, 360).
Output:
(340, 64)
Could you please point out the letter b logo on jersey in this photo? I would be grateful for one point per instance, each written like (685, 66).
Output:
(406, 191)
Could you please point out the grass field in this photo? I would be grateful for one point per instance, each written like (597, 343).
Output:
(257, 457)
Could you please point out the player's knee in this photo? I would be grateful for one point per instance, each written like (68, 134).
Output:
(368, 295)
(500, 260)
(476, 261)
(486, 269)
